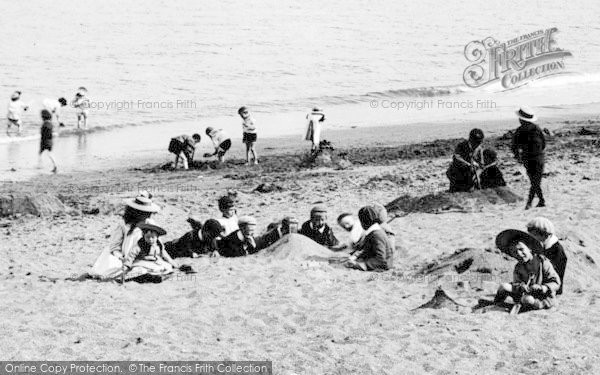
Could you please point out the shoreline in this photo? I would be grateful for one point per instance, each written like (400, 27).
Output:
(70, 150)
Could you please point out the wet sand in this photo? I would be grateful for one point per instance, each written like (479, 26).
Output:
(308, 316)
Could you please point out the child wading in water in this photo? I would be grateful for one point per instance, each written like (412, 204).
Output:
(220, 140)
(535, 281)
(249, 136)
(46, 139)
(15, 107)
(81, 104)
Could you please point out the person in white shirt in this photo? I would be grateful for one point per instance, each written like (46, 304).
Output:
(220, 140)
(314, 125)
(15, 107)
(229, 221)
(81, 103)
(249, 134)
(354, 229)
(54, 106)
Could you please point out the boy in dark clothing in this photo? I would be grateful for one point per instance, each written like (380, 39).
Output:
(184, 147)
(528, 146)
(244, 242)
(317, 229)
(46, 141)
(466, 155)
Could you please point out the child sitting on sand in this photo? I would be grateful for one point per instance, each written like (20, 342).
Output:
(15, 107)
(377, 252)
(81, 105)
(543, 230)
(229, 221)
(490, 176)
(220, 140)
(244, 242)
(249, 134)
(149, 254)
(317, 229)
(535, 281)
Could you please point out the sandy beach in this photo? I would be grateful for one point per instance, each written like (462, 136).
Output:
(293, 307)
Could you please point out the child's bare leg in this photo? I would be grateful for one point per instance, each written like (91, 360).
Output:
(248, 148)
(184, 160)
(532, 303)
(254, 154)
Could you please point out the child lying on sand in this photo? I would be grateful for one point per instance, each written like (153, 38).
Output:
(535, 281)
(244, 242)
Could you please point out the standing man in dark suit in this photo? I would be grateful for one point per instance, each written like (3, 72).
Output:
(528, 146)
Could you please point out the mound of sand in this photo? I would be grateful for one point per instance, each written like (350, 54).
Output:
(441, 300)
(487, 264)
(445, 201)
(296, 247)
(31, 203)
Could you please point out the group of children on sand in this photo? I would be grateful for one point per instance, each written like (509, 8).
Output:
(538, 276)
(183, 146)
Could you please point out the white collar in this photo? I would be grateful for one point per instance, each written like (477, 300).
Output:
(373, 228)
(550, 241)
(321, 230)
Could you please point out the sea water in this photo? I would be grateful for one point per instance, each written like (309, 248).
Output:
(155, 69)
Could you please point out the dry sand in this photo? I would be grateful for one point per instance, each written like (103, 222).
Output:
(295, 308)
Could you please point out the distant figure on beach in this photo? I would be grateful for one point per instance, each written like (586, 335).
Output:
(528, 146)
(81, 104)
(377, 251)
(229, 221)
(490, 176)
(148, 257)
(15, 107)
(317, 229)
(543, 230)
(184, 147)
(244, 241)
(220, 140)
(109, 264)
(535, 281)
(465, 161)
(46, 142)
(314, 126)
(249, 135)
(54, 106)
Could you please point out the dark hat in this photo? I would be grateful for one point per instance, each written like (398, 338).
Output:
(506, 240)
(225, 202)
(150, 225)
(476, 135)
(367, 216)
(212, 226)
(46, 115)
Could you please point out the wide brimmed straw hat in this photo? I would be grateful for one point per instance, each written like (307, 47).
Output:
(142, 203)
(506, 239)
(526, 114)
(149, 224)
(15, 95)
